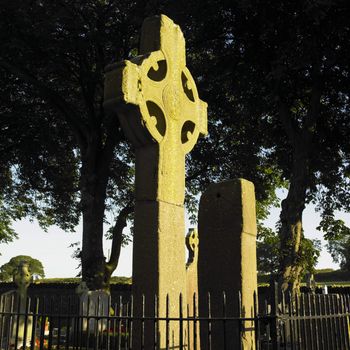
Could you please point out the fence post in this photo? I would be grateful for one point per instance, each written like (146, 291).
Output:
(275, 332)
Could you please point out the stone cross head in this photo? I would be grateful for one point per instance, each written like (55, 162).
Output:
(159, 84)
(192, 242)
(157, 101)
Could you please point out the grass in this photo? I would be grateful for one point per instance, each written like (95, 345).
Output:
(114, 280)
(324, 276)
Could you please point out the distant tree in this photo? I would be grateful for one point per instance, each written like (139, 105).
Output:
(311, 249)
(269, 253)
(338, 245)
(35, 267)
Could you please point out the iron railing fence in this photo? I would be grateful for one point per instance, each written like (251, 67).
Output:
(312, 321)
(308, 321)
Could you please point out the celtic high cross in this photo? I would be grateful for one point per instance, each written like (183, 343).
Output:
(157, 103)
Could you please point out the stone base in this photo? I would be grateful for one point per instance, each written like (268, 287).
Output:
(21, 331)
(158, 270)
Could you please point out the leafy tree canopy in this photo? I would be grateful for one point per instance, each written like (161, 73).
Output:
(339, 243)
(279, 73)
(61, 155)
(275, 77)
(35, 267)
(269, 253)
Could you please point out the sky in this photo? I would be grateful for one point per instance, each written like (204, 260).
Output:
(52, 247)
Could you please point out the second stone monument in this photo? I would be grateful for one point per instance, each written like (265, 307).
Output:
(227, 264)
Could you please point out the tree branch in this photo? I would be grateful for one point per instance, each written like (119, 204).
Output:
(286, 121)
(70, 116)
(117, 234)
(195, 175)
(111, 138)
(87, 89)
(48, 189)
(315, 101)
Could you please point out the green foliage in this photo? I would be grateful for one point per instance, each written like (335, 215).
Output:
(7, 233)
(64, 280)
(51, 91)
(339, 248)
(329, 277)
(121, 280)
(309, 252)
(61, 156)
(114, 280)
(275, 76)
(35, 267)
(326, 270)
(268, 246)
(269, 252)
(338, 237)
(332, 276)
(334, 228)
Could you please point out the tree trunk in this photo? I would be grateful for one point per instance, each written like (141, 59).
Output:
(93, 206)
(93, 183)
(291, 230)
(117, 239)
(96, 271)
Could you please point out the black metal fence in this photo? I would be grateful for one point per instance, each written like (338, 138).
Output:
(312, 321)
(308, 321)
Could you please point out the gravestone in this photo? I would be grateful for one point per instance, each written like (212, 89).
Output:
(22, 278)
(158, 106)
(227, 262)
(17, 329)
(93, 303)
(310, 282)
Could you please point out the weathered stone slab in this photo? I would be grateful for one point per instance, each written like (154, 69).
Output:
(93, 303)
(157, 103)
(17, 330)
(227, 260)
